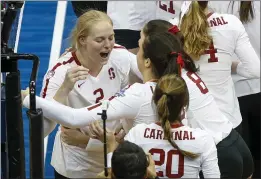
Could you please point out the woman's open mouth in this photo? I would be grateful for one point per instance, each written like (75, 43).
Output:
(104, 55)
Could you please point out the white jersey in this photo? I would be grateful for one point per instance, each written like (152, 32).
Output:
(243, 86)
(131, 15)
(229, 37)
(136, 103)
(169, 162)
(203, 111)
(71, 161)
(166, 10)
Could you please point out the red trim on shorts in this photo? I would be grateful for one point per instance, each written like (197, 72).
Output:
(172, 125)
(53, 69)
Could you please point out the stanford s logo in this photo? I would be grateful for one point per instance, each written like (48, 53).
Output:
(111, 73)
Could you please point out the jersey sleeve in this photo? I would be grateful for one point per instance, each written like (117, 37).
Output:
(52, 81)
(249, 65)
(209, 158)
(125, 104)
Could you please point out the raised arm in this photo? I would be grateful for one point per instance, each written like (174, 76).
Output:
(125, 104)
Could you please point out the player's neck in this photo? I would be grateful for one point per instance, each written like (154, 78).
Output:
(94, 69)
(147, 76)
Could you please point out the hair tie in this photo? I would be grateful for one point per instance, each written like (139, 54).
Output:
(180, 61)
(174, 29)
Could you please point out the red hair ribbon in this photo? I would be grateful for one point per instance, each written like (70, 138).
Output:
(174, 29)
(180, 61)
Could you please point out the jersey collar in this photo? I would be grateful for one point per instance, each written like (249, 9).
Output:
(172, 125)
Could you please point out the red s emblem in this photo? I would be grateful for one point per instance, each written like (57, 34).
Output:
(111, 73)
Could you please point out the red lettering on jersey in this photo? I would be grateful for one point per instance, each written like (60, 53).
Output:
(185, 135)
(111, 73)
(161, 159)
(178, 135)
(101, 96)
(217, 21)
(179, 164)
(145, 133)
(152, 133)
(197, 80)
(169, 164)
(191, 137)
(159, 134)
(211, 51)
(164, 7)
(223, 21)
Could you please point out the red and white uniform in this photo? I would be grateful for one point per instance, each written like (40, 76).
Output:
(131, 15)
(71, 161)
(136, 103)
(168, 9)
(169, 162)
(243, 86)
(203, 111)
(229, 37)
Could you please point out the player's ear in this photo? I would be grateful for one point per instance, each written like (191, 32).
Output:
(147, 63)
(83, 40)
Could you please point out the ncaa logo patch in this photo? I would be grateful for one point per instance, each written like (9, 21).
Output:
(120, 93)
(50, 74)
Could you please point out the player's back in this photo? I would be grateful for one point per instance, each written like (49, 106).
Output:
(169, 162)
(203, 111)
(215, 64)
(168, 9)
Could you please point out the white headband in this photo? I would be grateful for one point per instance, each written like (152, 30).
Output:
(184, 8)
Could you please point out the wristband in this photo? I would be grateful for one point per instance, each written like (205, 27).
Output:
(109, 156)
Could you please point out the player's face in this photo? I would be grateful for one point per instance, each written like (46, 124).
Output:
(100, 42)
(140, 57)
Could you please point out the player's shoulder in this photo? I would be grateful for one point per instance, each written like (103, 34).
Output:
(121, 58)
(226, 20)
(65, 62)
(202, 137)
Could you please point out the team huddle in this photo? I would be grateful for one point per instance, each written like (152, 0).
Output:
(181, 106)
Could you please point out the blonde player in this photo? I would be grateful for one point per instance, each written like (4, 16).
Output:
(247, 90)
(95, 71)
(211, 40)
(161, 54)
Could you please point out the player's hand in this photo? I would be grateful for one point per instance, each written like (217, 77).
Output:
(74, 137)
(96, 129)
(73, 75)
(151, 171)
(24, 93)
(70, 49)
(119, 133)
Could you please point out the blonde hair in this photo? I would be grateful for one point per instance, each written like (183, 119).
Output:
(171, 96)
(85, 23)
(194, 27)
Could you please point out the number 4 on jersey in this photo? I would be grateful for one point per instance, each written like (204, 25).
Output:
(211, 51)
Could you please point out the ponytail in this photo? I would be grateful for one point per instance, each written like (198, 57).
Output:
(245, 10)
(194, 27)
(164, 102)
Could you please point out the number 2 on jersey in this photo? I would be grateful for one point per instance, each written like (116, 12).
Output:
(170, 155)
(197, 80)
(99, 93)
